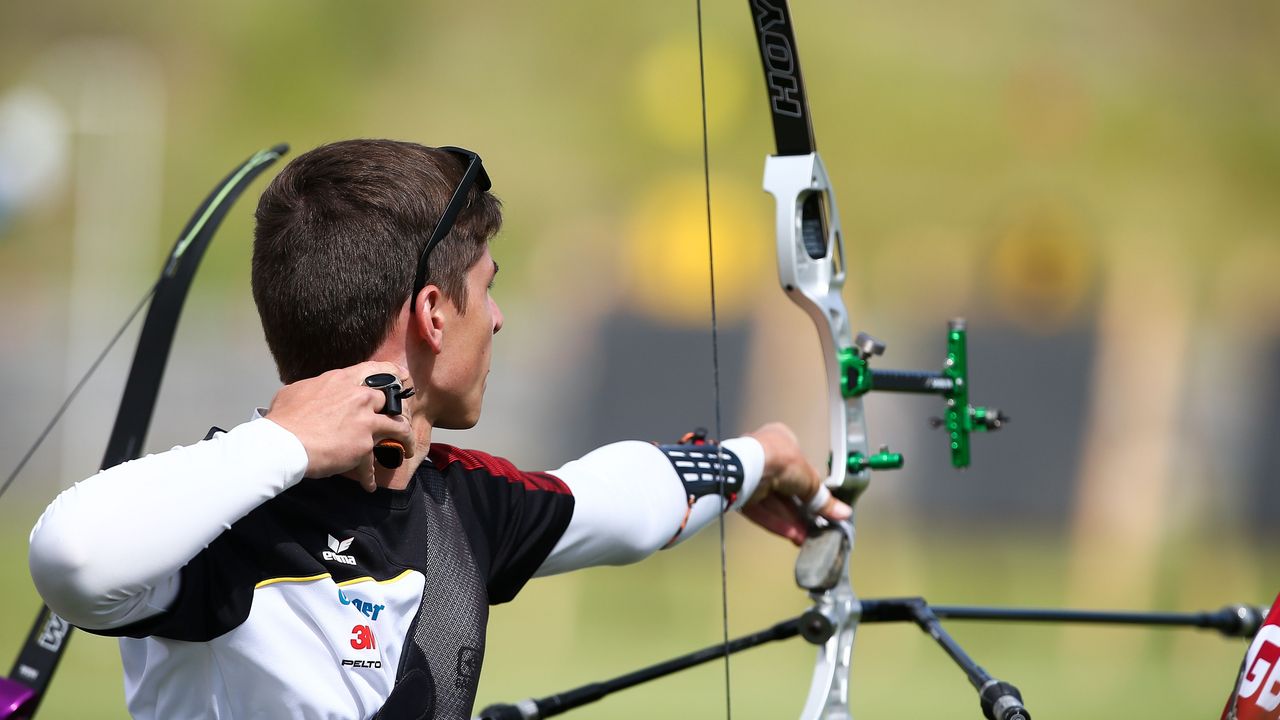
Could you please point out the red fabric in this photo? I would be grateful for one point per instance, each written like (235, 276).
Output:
(444, 455)
(1257, 692)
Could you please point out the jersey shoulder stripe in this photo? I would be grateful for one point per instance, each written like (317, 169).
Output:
(322, 576)
(443, 456)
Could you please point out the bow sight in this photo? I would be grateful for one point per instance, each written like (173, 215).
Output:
(961, 419)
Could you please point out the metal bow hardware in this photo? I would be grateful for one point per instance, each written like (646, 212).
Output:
(811, 269)
(22, 691)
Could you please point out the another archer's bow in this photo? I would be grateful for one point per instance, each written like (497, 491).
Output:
(22, 691)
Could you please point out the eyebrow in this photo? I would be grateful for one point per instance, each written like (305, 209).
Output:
(495, 267)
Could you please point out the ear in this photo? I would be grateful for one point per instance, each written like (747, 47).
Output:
(428, 322)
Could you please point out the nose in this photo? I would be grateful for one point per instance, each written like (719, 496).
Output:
(497, 316)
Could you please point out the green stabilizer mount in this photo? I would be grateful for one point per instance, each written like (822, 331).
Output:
(855, 380)
(855, 375)
(883, 460)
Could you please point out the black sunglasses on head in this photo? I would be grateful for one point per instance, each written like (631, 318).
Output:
(474, 174)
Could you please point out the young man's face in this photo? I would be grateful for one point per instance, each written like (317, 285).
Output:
(469, 344)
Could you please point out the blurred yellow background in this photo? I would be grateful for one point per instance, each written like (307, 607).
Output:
(1093, 185)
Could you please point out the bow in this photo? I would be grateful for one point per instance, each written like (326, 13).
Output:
(811, 268)
(22, 691)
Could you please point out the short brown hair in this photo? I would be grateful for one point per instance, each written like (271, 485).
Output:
(336, 245)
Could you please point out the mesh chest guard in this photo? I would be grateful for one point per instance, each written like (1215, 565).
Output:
(440, 666)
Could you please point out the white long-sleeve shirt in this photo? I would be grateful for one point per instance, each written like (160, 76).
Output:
(241, 590)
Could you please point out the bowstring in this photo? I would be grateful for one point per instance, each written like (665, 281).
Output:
(66, 403)
(715, 367)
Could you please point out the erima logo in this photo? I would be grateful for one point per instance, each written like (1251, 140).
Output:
(336, 547)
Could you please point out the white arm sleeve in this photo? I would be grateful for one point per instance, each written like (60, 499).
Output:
(107, 551)
(629, 503)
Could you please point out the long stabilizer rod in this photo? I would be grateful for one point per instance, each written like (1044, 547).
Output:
(1236, 621)
(536, 708)
(998, 698)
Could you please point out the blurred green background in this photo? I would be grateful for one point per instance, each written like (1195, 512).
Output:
(1093, 185)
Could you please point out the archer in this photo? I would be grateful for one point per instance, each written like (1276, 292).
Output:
(278, 569)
